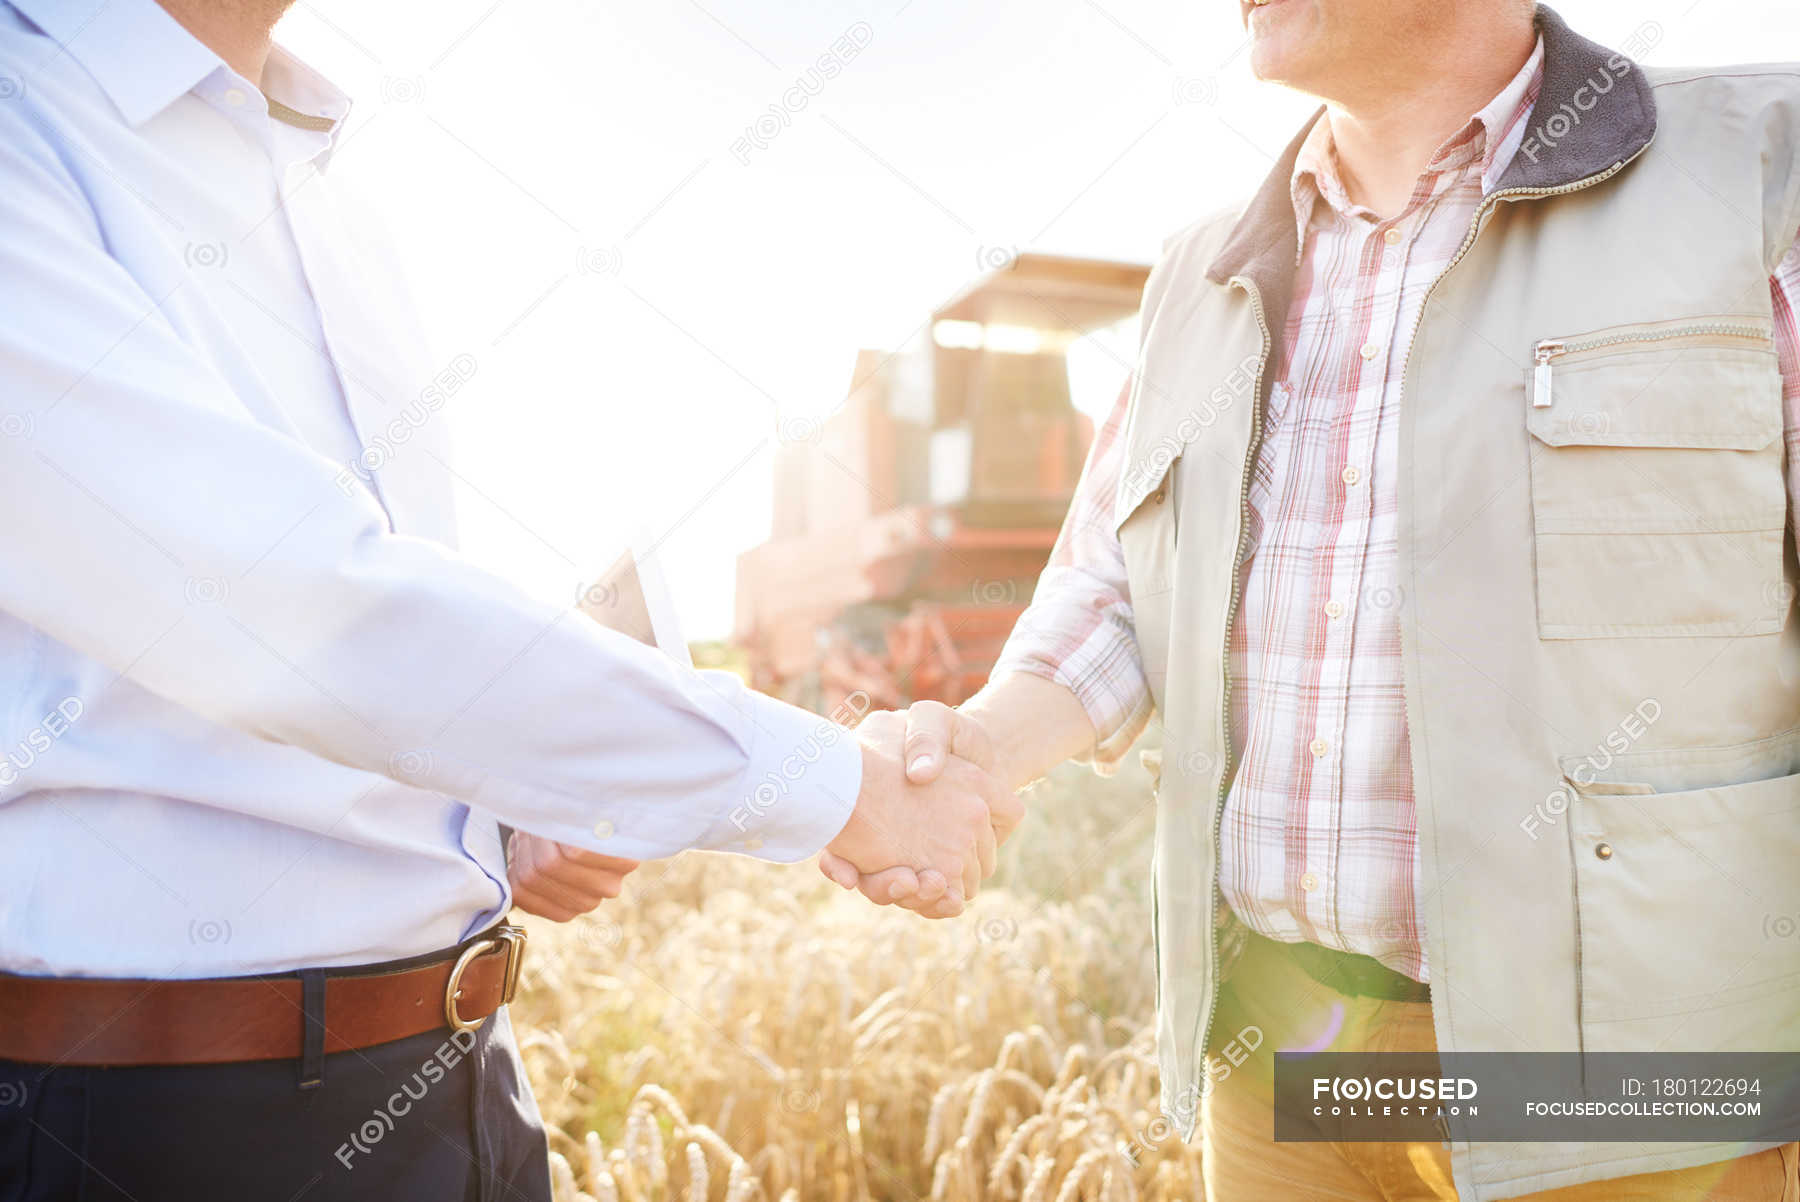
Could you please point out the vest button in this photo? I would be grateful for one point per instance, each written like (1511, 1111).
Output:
(1603, 851)
(1158, 498)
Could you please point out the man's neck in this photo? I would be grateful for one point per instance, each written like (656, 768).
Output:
(1384, 140)
(235, 30)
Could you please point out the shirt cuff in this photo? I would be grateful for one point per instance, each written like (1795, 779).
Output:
(1116, 730)
(800, 787)
(1102, 668)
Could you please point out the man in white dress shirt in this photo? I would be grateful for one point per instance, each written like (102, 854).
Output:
(263, 724)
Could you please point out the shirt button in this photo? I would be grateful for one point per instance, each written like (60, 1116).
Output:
(1370, 350)
(1320, 747)
(1392, 237)
(1309, 881)
(1351, 474)
(1603, 850)
(235, 97)
(1334, 609)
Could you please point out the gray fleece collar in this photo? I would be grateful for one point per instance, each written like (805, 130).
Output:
(1594, 110)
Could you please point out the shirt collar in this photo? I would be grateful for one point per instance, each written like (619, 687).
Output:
(310, 109)
(144, 60)
(1620, 124)
(292, 84)
(1490, 138)
(139, 55)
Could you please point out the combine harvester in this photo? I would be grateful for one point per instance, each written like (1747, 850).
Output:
(910, 527)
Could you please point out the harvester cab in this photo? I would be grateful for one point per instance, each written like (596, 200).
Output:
(910, 526)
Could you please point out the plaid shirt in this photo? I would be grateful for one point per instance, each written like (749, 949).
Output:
(1319, 839)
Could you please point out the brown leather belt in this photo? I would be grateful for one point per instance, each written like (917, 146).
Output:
(96, 1021)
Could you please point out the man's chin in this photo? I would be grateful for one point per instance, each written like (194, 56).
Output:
(1272, 62)
(1283, 40)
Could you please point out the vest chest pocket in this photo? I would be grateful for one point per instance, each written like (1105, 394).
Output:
(1657, 495)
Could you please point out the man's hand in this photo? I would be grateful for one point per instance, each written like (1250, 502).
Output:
(559, 882)
(928, 842)
(933, 739)
(1018, 728)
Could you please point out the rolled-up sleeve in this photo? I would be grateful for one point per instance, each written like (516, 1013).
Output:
(1078, 629)
(129, 471)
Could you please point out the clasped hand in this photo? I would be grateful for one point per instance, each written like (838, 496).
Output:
(931, 816)
(924, 834)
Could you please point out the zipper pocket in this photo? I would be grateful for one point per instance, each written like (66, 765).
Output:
(1547, 352)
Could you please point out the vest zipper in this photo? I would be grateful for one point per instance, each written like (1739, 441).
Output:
(1237, 567)
(1551, 349)
(1262, 323)
(1487, 205)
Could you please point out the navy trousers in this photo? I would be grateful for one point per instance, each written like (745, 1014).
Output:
(434, 1118)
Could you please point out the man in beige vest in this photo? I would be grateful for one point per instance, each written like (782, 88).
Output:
(1443, 532)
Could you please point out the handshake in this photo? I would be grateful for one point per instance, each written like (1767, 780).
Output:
(927, 825)
(931, 815)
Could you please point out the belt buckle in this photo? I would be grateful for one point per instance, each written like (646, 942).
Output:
(507, 936)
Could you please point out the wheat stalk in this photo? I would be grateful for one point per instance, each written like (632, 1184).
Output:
(747, 1024)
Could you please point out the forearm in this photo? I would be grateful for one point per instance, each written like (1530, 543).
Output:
(160, 527)
(1069, 682)
(1033, 724)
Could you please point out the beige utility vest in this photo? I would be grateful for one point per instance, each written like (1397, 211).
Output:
(1602, 680)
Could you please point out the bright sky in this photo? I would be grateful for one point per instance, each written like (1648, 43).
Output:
(651, 270)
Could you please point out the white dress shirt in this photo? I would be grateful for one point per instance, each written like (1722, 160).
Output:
(256, 713)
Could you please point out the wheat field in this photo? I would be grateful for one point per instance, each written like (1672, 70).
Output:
(731, 1030)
